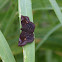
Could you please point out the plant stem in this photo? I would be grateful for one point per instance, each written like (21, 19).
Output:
(25, 9)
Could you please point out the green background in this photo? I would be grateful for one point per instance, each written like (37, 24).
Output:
(44, 19)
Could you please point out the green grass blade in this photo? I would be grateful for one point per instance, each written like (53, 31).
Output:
(26, 10)
(5, 52)
(4, 19)
(3, 3)
(48, 56)
(56, 9)
(47, 35)
(10, 21)
(44, 5)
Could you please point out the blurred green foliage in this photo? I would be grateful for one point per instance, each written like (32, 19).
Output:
(44, 20)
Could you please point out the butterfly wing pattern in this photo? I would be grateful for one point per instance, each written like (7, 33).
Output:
(27, 35)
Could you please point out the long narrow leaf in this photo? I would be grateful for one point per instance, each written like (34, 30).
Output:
(56, 9)
(26, 10)
(5, 52)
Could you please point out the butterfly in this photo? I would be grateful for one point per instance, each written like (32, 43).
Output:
(27, 35)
